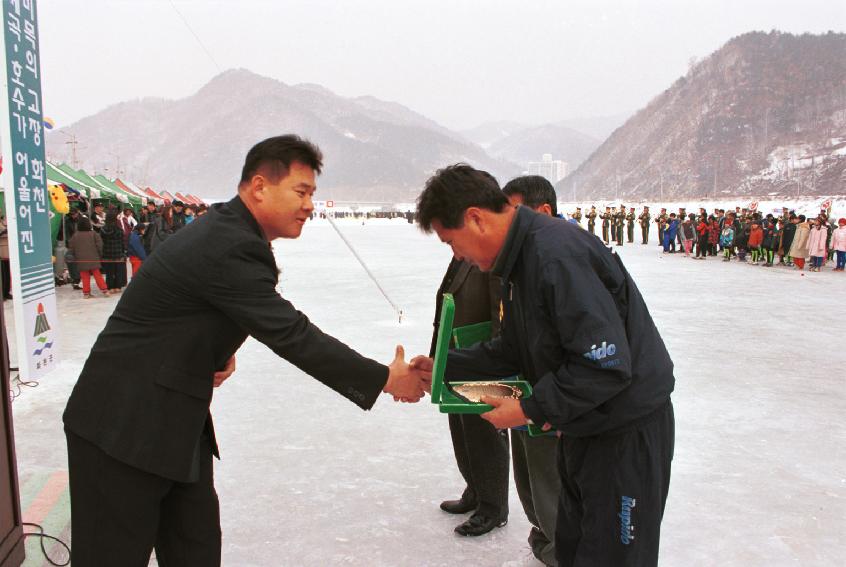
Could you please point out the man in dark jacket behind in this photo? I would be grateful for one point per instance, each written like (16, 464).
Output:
(481, 451)
(575, 326)
(140, 436)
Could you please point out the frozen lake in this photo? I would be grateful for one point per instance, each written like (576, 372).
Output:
(308, 479)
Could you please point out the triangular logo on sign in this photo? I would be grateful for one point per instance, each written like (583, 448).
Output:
(41, 323)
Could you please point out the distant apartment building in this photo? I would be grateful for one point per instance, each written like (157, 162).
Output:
(553, 170)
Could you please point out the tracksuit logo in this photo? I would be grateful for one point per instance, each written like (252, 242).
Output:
(626, 525)
(603, 351)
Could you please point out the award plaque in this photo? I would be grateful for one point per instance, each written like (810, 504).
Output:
(464, 397)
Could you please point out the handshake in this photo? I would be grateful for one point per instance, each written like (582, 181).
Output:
(408, 381)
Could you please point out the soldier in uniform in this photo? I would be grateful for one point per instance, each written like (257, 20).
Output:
(662, 222)
(591, 216)
(606, 224)
(630, 218)
(577, 216)
(644, 224)
(621, 223)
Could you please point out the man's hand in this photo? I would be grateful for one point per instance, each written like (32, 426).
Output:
(405, 383)
(423, 364)
(507, 413)
(221, 375)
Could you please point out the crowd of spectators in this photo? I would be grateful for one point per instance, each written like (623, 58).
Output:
(749, 236)
(99, 244)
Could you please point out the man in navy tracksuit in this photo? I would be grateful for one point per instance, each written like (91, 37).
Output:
(575, 326)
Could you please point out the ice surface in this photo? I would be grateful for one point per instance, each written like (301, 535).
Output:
(308, 479)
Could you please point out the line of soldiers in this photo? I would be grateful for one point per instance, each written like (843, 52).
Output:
(614, 221)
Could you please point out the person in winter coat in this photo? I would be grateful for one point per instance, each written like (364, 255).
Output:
(788, 231)
(162, 228)
(756, 238)
(770, 242)
(702, 233)
(816, 244)
(670, 234)
(799, 246)
(114, 257)
(741, 240)
(600, 372)
(727, 239)
(688, 234)
(713, 235)
(87, 248)
(135, 248)
(838, 244)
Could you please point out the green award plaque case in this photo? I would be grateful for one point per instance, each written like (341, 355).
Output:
(442, 395)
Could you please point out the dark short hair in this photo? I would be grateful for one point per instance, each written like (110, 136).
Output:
(454, 189)
(83, 224)
(274, 157)
(535, 190)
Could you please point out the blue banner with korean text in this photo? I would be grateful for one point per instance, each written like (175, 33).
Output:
(24, 184)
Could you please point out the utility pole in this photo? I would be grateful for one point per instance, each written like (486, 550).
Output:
(662, 186)
(72, 143)
(617, 187)
(716, 166)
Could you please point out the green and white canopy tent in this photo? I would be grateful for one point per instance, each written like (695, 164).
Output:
(57, 175)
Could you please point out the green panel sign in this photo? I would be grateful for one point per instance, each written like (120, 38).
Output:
(24, 181)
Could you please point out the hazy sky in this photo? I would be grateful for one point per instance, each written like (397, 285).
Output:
(458, 62)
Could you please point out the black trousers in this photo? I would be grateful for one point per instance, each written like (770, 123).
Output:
(538, 486)
(115, 272)
(483, 460)
(120, 513)
(7, 278)
(614, 488)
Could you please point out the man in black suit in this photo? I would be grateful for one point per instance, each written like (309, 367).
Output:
(140, 436)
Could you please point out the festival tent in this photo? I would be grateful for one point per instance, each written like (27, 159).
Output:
(106, 194)
(60, 177)
(167, 196)
(131, 199)
(149, 194)
(128, 188)
(160, 200)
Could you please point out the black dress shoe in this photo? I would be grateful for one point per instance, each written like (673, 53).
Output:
(461, 506)
(479, 524)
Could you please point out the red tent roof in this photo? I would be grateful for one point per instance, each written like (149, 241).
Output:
(127, 188)
(152, 193)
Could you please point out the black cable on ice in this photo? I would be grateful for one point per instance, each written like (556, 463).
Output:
(363, 265)
(42, 536)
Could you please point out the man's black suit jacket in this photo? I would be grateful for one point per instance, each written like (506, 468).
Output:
(144, 393)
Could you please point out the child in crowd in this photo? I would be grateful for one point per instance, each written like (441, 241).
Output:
(688, 234)
(135, 248)
(713, 235)
(741, 240)
(816, 244)
(770, 243)
(670, 234)
(727, 240)
(838, 244)
(799, 247)
(756, 238)
(702, 233)
(87, 248)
